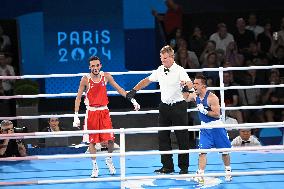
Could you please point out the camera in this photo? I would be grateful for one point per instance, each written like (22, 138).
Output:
(20, 130)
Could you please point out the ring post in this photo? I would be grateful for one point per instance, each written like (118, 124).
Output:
(222, 95)
(122, 158)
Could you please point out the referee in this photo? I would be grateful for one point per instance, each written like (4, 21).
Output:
(172, 79)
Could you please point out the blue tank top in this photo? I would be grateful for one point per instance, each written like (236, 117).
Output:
(202, 117)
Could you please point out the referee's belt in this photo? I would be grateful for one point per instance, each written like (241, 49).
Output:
(94, 108)
(173, 103)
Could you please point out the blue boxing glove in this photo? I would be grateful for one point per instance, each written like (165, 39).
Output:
(201, 109)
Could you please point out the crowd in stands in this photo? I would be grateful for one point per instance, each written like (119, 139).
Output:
(249, 44)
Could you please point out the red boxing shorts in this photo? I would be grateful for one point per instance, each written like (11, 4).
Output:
(99, 120)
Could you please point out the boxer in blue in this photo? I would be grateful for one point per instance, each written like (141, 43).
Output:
(209, 114)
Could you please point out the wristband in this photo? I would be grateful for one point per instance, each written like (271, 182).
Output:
(130, 94)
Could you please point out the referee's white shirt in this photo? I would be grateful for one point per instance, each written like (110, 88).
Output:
(253, 141)
(170, 82)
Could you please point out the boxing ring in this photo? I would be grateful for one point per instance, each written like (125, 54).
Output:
(253, 167)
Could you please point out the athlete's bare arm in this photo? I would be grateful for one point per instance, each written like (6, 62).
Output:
(113, 83)
(213, 102)
(120, 90)
(82, 86)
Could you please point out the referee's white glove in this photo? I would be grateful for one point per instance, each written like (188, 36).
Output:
(135, 104)
(76, 122)
(201, 109)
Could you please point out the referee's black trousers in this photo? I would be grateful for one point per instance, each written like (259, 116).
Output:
(173, 115)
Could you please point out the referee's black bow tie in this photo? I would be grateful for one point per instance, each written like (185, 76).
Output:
(166, 70)
(245, 142)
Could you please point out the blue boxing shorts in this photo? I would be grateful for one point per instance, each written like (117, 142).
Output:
(213, 138)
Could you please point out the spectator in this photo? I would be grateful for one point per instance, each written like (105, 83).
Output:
(273, 96)
(174, 41)
(222, 38)
(2, 48)
(280, 33)
(172, 18)
(209, 48)
(251, 97)
(1, 90)
(245, 139)
(11, 147)
(220, 56)
(5, 42)
(9, 59)
(53, 125)
(264, 39)
(278, 58)
(278, 39)
(237, 75)
(185, 58)
(232, 56)
(252, 25)
(253, 55)
(6, 70)
(212, 62)
(197, 41)
(243, 36)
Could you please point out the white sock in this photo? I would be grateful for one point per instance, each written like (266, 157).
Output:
(95, 165)
(200, 171)
(228, 168)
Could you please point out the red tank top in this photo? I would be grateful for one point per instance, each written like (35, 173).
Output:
(96, 94)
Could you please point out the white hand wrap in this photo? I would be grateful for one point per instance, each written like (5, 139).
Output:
(201, 109)
(135, 104)
(76, 122)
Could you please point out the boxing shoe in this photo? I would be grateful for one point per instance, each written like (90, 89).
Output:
(110, 165)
